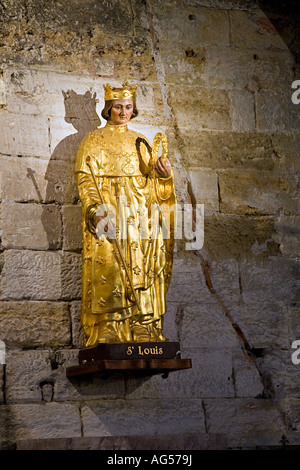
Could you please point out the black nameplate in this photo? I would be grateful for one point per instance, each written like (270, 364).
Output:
(115, 351)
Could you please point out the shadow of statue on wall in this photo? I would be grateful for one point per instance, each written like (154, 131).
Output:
(61, 190)
(61, 215)
(80, 111)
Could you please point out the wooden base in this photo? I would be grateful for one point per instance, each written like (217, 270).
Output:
(149, 358)
(154, 366)
(147, 350)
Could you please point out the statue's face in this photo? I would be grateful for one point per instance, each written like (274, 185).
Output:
(121, 111)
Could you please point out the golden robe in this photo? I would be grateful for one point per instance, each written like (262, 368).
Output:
(127, 183)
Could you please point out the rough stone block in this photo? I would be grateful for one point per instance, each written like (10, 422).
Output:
(205, 26)
(40, 275)
(214, 370)
(273, 70)
(230, 68)
(3, 103)
(170, 326)
(294, 323)
(128, 417)
(2, 379)
(265, 323)
(32, 226)
(185, 289)
(247, 422)
(186, 262)
(225, 67)
(187, 66)
(275, 111)
(281, 374)
(43, 324)
(36, 421)
(72, 234)
(210, 375)
(287, 235)
(270, 280)
(37, 180)
(286, 152)
(232, 236)
(71, 276)
(292, 410)
(221, 275)
(204, 185)
(90, 387)
(26, 135)
(40, 377)
(228, 5)
(247, 380)
(218, 150)
(78, 336)
(243, 115)
(210, 107)
(148, 97)
(64, 39)
(206, 326)
(256, 30)
(138, 59)
(171, 442)
(156, 116)
(255, 192)
(27, 371)
(61, 184)
(224, 276)
(65, 139)
(27, 94)
(22, 179)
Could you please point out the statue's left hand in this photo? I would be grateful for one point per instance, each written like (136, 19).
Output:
(163, 168)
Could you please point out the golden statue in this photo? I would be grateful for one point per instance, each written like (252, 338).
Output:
(127, 247)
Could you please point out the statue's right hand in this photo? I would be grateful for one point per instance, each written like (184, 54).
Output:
(103, 226)
(101, 223)
(97, 219)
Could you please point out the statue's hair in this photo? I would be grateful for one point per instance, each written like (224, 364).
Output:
(105, 113)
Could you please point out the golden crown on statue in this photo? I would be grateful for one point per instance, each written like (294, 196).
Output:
(113, 93)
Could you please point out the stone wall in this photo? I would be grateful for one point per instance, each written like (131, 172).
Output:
(216, 76)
